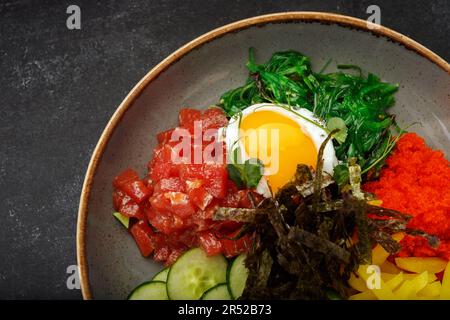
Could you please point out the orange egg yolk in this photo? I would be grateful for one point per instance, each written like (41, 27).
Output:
(279, 142)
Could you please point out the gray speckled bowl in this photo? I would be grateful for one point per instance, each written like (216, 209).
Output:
(196, 75)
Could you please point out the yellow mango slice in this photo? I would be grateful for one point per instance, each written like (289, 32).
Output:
(379, 255)
(398, 236)
(421, 264)
(377, 203)
(407, 276)
(389, 267)
(445, 290)
(357, 283)
(382, 293)
(366, 295)
(411, 276)
(409, 288)
(387, 276)
(395, 282)
(431, 290)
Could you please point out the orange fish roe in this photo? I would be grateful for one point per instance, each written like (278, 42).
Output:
(416, 180)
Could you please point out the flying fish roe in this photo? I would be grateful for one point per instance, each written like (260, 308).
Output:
(416, 180)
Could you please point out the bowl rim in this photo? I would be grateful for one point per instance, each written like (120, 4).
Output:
(135, 92)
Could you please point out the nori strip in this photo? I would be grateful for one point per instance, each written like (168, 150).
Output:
(317, 243)
(319, 167)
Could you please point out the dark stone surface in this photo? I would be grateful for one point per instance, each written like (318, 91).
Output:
(59, 87)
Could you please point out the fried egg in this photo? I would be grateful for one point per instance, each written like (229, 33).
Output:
(280, 137)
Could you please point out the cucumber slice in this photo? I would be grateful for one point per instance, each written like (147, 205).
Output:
(237, 276)
(219, 292)
(125, 221)
(162, 275)
(194, 273)
(150, 290)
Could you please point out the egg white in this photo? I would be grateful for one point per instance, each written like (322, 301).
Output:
(313, 131)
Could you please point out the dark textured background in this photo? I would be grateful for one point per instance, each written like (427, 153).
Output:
(59, 87)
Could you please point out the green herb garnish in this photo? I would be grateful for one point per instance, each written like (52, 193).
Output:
(338, 123)
(247, 174)
(340, 174)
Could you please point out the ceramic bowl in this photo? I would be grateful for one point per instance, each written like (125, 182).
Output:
(196, 74)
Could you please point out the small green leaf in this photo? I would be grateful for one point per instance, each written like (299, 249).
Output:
(247, 174)
(341, 175)
(235, 174)
(253, 172)
(125, 221)
(338, 123)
